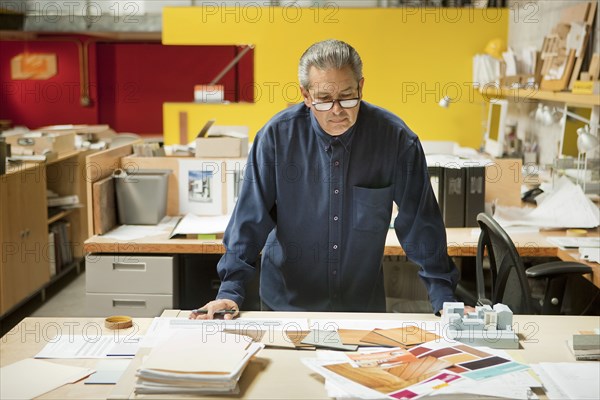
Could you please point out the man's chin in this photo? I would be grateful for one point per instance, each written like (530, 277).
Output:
(337, 129)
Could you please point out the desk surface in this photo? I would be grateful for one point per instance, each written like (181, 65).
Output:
(462, 242)
(277, 373)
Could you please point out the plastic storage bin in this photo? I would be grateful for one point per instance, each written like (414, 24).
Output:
(141, 196)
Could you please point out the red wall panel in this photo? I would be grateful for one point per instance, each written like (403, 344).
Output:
(35, 103)
(128, 83)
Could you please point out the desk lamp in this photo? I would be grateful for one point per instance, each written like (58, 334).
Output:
(585, 142)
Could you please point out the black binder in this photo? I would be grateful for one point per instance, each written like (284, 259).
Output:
(453, 202)
(474, 194)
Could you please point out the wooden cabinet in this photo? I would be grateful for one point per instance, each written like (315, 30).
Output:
(25, 250)
(24, 265)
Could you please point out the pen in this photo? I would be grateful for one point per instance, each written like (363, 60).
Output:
(218, 312)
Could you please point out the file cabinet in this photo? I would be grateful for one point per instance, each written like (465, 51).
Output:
(135, 285)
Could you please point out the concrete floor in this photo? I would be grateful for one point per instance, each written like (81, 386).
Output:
(68, 302)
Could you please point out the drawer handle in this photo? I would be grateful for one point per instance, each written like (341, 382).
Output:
(129, 303)
(129, 267)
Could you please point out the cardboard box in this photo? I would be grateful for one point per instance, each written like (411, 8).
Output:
(221, 146)
(223, 141)
(39, 143)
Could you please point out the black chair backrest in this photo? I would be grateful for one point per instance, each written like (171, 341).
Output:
(509, 283)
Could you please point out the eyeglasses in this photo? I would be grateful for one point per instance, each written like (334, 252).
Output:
(344, 103)
(328, 105)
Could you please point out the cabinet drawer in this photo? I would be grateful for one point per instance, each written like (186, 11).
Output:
(135, 305)
(129, 274)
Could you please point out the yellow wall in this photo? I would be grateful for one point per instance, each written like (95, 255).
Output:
(411, 57)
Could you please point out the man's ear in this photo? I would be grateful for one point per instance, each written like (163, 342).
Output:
(306, 99)
(361, 84)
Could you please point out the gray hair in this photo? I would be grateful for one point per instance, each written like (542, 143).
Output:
(329, 54)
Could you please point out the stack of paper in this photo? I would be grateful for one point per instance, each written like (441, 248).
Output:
(578, 380)
(196, 363)
(586, 347)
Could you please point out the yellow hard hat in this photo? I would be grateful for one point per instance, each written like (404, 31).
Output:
(495, 48)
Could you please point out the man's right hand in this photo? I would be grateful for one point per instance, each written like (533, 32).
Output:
(217, 305)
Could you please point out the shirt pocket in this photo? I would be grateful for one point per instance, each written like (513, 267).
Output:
(372, 208)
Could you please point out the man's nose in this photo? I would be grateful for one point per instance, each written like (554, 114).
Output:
(337, 108)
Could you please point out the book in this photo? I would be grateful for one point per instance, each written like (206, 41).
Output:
(63, 201)
(586, 347)
(453, 203)
(474, 194)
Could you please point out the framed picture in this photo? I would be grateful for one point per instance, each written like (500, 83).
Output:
(201, 187)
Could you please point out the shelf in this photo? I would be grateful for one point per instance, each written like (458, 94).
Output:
(524, 95)
(60, 215)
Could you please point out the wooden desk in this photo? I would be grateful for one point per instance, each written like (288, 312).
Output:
(462, 242)
(277, 373)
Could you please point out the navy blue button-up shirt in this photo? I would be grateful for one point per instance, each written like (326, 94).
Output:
(319, 208)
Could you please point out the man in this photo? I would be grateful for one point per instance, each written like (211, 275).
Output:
(318, 193)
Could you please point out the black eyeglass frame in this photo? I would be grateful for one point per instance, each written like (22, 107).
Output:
(332, 102)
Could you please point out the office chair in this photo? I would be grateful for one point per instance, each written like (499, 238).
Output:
(566, 291)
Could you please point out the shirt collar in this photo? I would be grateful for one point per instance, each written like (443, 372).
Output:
(345, 138)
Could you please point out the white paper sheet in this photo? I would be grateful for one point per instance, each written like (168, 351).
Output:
(574, 380)
(80, 346)
(108, 372)
(194, 224)
(31, 378)
(566, 207)
(567, 242)
(162, 329)
(133, 232)
(590, 254)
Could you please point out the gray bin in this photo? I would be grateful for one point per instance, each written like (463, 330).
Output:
(141, 196)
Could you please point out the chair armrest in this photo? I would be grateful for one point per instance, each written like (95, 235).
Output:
(557, 268)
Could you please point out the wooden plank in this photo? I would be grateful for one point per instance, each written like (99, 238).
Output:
(594, 70)
(589, 23)
(183, 128)
(103, 203)
(576, 13)
(98, 166)
(526, 94)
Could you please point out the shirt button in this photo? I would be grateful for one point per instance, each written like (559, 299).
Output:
(336, 163)
(334, 272)
(336, 191)
(335, 246)
(335, 218)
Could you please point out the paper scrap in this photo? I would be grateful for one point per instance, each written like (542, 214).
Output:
(31, 378)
